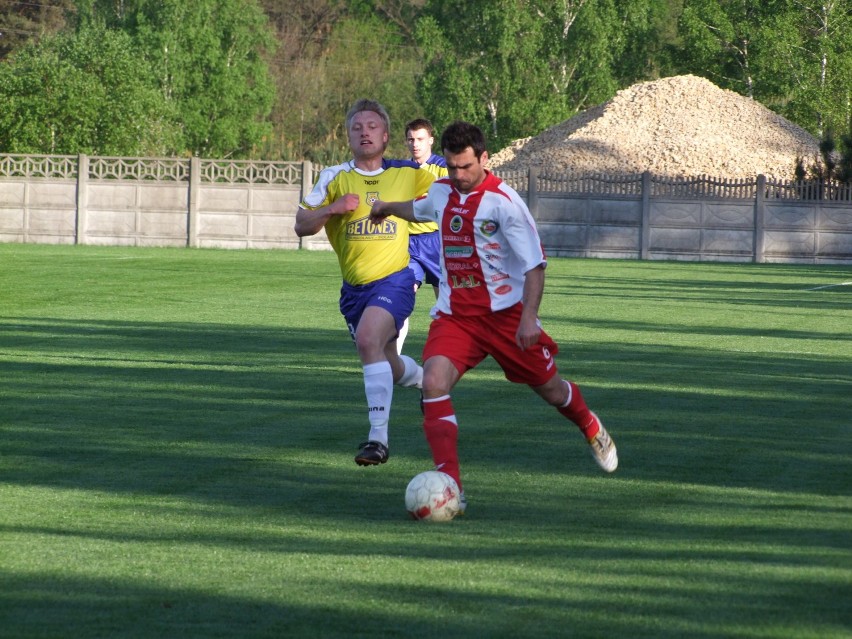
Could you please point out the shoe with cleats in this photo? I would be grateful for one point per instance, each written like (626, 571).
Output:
(371, 454)
(603, 449)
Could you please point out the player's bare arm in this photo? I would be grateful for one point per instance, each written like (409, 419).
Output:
(529, 329)
(311, 221)
(381, 210)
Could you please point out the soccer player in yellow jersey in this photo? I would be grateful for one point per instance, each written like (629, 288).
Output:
(424, 244)
(378, 289)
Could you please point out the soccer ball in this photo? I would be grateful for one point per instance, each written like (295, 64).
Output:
(432, 496)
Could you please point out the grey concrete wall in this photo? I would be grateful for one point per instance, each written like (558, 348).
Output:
(236, 205)
(129, 207)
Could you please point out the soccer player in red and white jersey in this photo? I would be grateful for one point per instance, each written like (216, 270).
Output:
(492, 283)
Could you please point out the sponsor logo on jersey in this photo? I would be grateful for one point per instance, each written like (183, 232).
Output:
(458, 251)
(463, 266)
(372, 196)
(464, 281)
(491, 246)
(499, 276)
(488, 227)
(456, 224)
(371, 182)
(363, 229)
(502, 290)
(456, 238)
(459, 209)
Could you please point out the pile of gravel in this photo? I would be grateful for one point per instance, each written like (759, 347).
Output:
(681, 126)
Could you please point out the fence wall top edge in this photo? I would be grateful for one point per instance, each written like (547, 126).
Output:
(615, 178)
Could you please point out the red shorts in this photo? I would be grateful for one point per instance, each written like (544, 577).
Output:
(466, 341)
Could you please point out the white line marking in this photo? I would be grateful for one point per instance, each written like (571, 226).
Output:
(819, 288)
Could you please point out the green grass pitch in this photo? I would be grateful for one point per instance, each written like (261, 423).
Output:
(177, 432)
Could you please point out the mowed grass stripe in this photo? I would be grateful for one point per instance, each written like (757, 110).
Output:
(178, 426)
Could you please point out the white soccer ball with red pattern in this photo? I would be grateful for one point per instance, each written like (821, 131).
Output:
(432, 496)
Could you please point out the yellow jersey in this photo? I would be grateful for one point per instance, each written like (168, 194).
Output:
(437, 166)
(368, 252)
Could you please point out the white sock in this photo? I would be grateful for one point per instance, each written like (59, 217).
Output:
(378, 386)
(413, 374)
(400, 340)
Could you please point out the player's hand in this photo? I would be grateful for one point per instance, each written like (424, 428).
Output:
(528, 333)
(345, 204)
(378, 212)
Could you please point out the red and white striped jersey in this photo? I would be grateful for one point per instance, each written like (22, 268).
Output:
(488, 242)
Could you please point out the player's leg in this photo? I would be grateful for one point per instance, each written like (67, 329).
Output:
(439, 418)
(384, 308)
(416, 267)
(568, 400)
(450, 350)
(375, 329)
(400, 339)
(406, 372)
(536, 368)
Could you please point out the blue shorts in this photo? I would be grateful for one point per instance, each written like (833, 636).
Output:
(425, 252)
(394, 293)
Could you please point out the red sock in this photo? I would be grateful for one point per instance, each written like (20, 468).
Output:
(439, 425)
(577, 411)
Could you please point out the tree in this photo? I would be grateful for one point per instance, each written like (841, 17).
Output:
(208, 57)
(490, 63)
(84, 92)
(515, 67)
(720, 39)
(329, 57)
(815, 54)
(834, 162)
(794, 56)
(24, 22)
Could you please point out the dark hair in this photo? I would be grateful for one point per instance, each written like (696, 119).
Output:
(420, 123)
(460, 135)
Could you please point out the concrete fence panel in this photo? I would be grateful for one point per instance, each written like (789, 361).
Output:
(250, 204)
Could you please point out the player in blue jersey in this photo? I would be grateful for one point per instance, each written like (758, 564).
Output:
(377, 295)
(424, 244)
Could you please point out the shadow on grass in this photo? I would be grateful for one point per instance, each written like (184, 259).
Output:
(443, 609)
(123, 406)
(240, 424)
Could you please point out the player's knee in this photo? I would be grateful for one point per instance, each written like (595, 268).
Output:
(435, 384)
(369, 349)
(554, 392)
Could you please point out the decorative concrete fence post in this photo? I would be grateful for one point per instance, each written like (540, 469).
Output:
(82, 200)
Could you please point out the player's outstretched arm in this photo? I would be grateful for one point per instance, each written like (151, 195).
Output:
(381, 210)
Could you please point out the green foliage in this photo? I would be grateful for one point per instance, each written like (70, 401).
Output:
(818, 59)
(84, 92)
(208, 59)
(144, 77)
(490, 63)
(361, 57)
(795, 56)
(272, 78)
(515, 67)
(834, 161)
